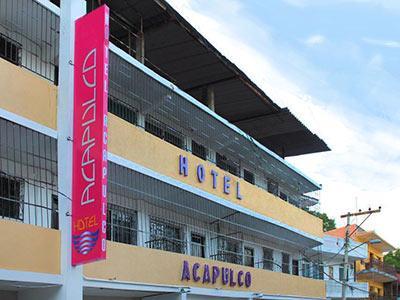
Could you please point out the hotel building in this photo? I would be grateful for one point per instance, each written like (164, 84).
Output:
(201, 201)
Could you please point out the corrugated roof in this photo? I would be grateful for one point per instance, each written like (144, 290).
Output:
(176, 50)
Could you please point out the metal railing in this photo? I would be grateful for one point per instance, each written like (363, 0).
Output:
(163, 108)
(33, 32)
(380, 266)
(28, 180)
(10, 50)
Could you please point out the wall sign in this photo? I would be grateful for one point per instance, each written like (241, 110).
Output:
(207, 274)
(222, 181)
(89, 183)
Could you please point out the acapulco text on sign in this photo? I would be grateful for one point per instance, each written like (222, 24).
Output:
(89, 183)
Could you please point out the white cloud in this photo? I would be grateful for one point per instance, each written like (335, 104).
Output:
(382, 43)
(315, 39)
(364, 163)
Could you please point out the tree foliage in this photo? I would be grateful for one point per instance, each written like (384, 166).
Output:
(393, 258)
(328, 223)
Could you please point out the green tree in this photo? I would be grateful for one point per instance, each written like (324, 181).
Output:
(393, 258)
(327, 223)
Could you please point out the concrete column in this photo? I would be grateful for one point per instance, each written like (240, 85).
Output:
(73, 280)
(140, 47)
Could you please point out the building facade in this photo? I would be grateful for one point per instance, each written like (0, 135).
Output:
(201, 202)
(381, 277)
(332, 257)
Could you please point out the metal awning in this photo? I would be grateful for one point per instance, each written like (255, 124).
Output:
(383, 246)
(178, 52)
(128, 184)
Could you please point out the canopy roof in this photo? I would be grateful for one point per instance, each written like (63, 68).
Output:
(362, 236)
(177, 51)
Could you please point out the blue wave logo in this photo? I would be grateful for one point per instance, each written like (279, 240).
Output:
(85, 242)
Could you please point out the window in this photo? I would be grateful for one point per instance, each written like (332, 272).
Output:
(306, 269)
(10, 49)
(163, 131)
(285, 263)
(54, 211)
(273, 187)
(121, 225)
(268, 259)
(295, 267)
(331, 272)
(341, 273)
(165, 236)
(283, 196)
(317, 272)
(248, 256)
(227, 165)
(321, 273)
(229, 250)
(199, 150)
(197, 245)
(122, 110)
(248, 176)
(10, 198)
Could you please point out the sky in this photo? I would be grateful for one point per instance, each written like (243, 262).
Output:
(336, 65)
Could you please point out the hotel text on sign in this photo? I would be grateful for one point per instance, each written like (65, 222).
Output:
(89, 183)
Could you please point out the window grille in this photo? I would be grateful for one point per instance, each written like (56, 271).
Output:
(228, 165)
(10, 50)
(30, 36)
(122, 110)
(273, 187)
(248, 257)
(197, 246)
(285, 263)
(268, 259)
(28, 176)
(283, 196)
(121, 225)
(10, 197)
(164, 132)
(248, 176)
(229, 250)
(295, 267)
(199, 150)
(166, 236)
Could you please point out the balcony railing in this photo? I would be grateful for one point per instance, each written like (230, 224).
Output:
(34, 30)
(380, 266)
(28, 180)
(10, 50)
(30, 37)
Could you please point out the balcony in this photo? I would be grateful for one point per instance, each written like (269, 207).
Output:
(378, 271)
(354, 290)
(136, 264)
(143, 98)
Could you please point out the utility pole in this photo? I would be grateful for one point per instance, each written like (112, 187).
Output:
(346, 245)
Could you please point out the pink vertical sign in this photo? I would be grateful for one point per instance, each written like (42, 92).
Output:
(89, 183)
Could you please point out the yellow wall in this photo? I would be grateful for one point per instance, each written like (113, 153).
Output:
(28, 95)
(29, 248)
(373, 285)
(134, 144)
(35, 98)
(137, 264)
